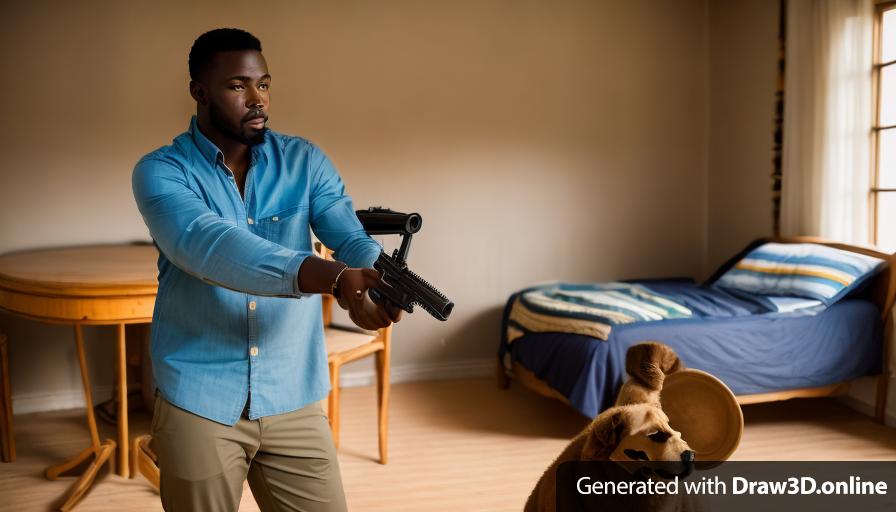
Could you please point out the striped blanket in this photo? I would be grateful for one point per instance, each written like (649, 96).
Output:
(589, 309)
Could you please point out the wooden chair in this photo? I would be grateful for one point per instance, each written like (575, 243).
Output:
(144, 460)
(8, 441)
(346, 344)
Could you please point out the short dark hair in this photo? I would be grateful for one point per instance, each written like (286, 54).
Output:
(219, 40)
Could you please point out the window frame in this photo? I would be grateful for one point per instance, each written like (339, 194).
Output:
(876, 190)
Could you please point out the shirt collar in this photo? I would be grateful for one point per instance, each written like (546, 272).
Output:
(211, 152)
(205, 146)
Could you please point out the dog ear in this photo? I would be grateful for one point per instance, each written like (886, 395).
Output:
(606, 433)
(667, 358)
(650, 362)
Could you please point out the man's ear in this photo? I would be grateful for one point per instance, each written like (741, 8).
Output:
(197, 91)
(606, 434)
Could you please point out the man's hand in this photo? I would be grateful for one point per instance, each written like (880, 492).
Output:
(316, 275)
(352, 295)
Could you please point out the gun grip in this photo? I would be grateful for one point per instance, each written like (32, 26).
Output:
(382, 299)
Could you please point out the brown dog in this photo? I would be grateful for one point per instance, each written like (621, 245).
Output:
(647, 365)
(636, 429)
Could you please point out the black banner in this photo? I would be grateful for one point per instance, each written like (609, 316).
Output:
(730, 486)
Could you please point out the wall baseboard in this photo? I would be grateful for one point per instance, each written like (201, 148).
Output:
(25, 403)
(862, 397)
(474, 368)
(469, 369)
(44, 401)
(867, 409)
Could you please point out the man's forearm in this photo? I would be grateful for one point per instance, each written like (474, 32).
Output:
(317, 275)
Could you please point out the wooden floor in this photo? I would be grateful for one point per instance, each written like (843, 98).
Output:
(455, 445)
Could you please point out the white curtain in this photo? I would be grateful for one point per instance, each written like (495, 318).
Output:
(827, 120)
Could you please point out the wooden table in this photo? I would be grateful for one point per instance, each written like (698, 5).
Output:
(90, 285)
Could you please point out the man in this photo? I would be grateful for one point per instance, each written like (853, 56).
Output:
(237, 342)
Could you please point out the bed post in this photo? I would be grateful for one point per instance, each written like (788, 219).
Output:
(883, 381)
(885, 296)
(501, 374)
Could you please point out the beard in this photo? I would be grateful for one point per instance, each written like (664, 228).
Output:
(244, 133)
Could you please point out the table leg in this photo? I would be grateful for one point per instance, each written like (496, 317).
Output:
(121, 370)
(100, 451)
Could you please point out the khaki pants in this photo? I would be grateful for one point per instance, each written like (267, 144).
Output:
(289, 460)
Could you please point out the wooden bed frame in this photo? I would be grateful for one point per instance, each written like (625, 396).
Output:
(881, 292)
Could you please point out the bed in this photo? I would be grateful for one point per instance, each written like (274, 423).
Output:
(762, 354)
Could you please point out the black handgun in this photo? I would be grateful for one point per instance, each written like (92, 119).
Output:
(402, 287)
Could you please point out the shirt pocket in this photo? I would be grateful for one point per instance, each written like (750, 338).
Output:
(289, 228)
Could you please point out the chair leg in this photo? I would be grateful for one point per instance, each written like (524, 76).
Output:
(145, 461)
(382, 393)
(333, 404)
(6, 432)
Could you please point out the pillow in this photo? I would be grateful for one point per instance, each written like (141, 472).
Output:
(811, 271)
(779, 303)
(793, 304)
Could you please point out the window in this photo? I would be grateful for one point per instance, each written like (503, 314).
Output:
(883, 181)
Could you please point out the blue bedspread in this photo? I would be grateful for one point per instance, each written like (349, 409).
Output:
(736, 339)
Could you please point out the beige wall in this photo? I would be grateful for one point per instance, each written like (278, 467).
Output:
(743, 49)
(540, 140)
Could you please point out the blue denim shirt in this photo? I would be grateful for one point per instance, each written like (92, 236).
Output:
(229, 318)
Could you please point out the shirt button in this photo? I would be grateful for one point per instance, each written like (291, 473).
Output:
(275, 219)
(253, 351)
(252, 305)
(251, 221)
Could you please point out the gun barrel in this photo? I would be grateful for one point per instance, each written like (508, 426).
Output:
(436, 304)
(378, 221)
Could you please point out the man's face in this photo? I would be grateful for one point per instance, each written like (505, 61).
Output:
(237, 87)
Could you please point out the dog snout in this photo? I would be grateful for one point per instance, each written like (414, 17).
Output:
(687, 463)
